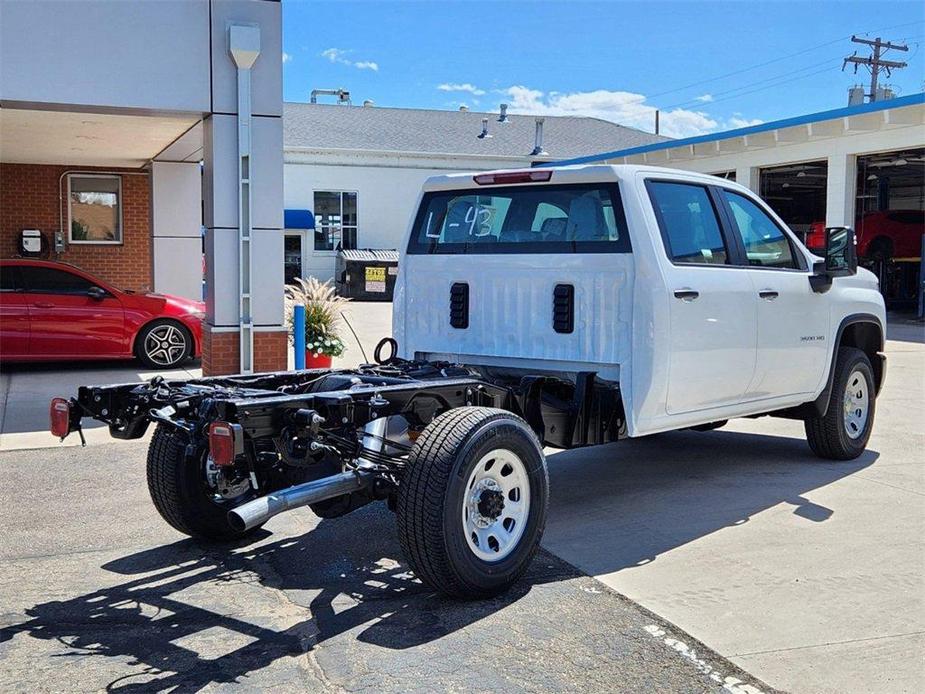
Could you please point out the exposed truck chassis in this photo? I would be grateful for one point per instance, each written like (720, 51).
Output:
(338, 439)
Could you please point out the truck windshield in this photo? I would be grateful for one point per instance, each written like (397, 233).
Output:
(524, 219)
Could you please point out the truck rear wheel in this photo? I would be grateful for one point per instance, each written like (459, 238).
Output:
(472, 502)
(843, 432)
(180, 493)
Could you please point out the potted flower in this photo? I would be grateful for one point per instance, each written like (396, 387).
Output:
(322, 320)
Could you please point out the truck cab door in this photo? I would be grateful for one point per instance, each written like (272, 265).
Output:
(793, 320)
(711, 304)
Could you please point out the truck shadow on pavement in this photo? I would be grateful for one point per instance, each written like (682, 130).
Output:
(341, 584)
(281, 596)
(623, 505)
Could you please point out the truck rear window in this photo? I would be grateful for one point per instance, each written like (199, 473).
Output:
(522, 219)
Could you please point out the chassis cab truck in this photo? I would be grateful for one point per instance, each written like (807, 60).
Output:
(541, 308)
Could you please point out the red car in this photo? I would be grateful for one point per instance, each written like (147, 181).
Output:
(880, 235)
(55, 311)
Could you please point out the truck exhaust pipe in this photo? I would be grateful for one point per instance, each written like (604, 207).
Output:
(262, 509)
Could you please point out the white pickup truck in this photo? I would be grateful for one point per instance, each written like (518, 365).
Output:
(558, 307)
(685, 289)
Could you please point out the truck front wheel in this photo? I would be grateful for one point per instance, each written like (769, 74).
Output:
(842, 433)
(472, 502)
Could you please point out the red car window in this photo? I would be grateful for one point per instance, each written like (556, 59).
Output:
(9, 279)
(46, 280)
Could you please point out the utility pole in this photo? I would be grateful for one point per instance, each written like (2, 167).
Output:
(875, 61)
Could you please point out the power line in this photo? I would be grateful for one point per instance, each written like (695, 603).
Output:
(831, 62)
(771, 86)
(777, 81)
(775, 60)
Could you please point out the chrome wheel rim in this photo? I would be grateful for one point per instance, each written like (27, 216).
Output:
(856, 404)
(496, 505)
(165, 345)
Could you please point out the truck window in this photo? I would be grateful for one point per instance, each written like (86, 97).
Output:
(688, 223)
(523, 219)
(766, 245)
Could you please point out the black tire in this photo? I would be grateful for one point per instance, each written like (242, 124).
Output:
(179, 491)
(828, 435)
(174, 355)
(432, 494)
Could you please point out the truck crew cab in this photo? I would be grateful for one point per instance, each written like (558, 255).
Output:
(558, 307)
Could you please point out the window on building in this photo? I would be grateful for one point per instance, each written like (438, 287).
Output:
(689, 223)
(292, 257)
(95, 208)
(335, 220)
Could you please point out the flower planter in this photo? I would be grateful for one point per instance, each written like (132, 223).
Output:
(313, 362)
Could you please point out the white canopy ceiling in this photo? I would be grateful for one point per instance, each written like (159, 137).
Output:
(91, 139)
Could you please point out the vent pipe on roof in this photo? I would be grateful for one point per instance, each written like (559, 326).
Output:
(484, 133)
(369, 103)
(343, 95)
(464, 109)
(502, 118)
(538, 150)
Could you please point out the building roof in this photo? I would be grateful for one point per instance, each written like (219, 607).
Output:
(844, 112)
(374, 128)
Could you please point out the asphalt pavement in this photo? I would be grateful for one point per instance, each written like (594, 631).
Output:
(99, 593)
(660, 554)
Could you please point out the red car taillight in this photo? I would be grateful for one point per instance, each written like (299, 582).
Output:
(223, 443)
(59, 414)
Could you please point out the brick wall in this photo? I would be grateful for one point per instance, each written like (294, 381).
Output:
(220, 354)
(29, 200)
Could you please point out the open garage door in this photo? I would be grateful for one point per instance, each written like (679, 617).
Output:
(797, 193)
(890, 221)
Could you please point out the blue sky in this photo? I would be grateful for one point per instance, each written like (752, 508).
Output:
(708, 66)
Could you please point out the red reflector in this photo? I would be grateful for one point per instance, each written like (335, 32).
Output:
(495, 179)
(221, 443)
(59, 414)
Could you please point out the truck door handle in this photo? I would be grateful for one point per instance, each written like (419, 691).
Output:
(686, 294)
(768, 294)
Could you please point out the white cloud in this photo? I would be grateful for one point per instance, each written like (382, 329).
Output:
(704, 98)
(335, 55)
(626, 108)
(457, 87)
(736, 122)
(339, 55)
(286, 57)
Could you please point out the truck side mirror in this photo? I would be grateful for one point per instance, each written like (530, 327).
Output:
(841, 255)
(841, 259)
